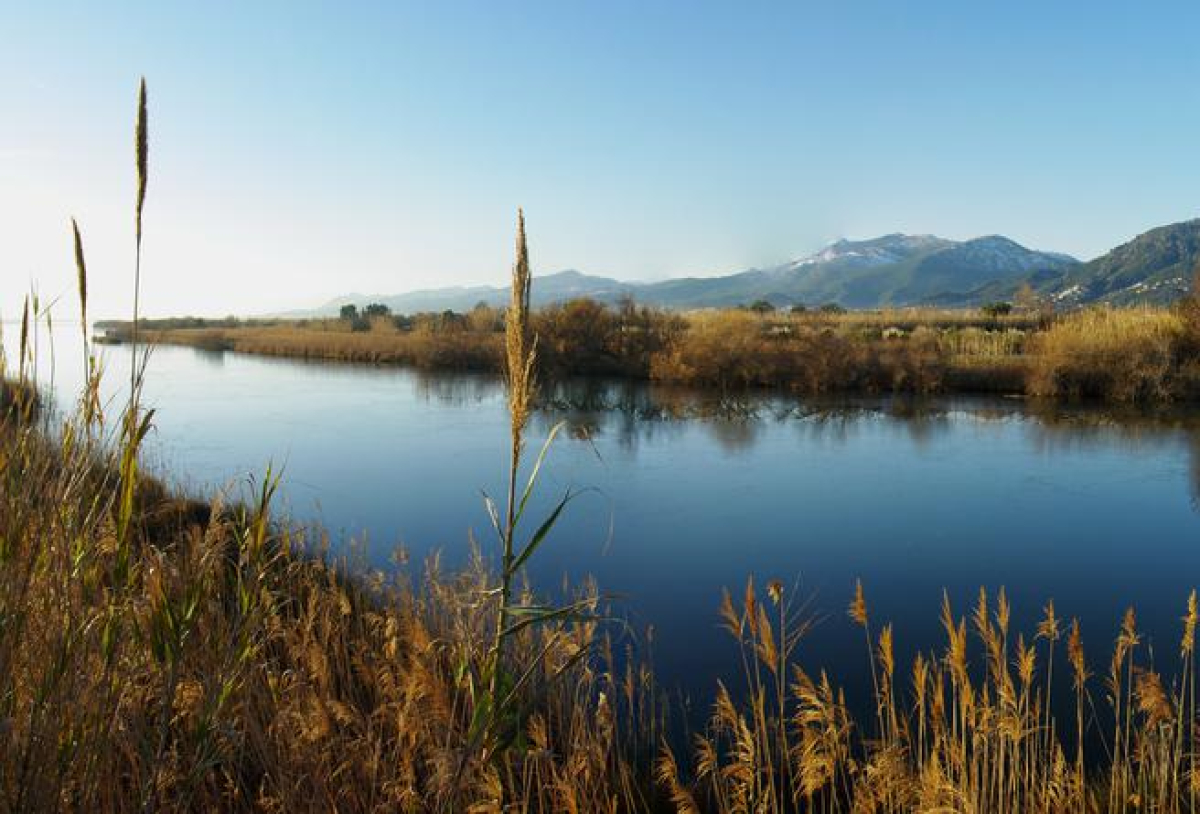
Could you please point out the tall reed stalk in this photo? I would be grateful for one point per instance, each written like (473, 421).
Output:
(496, 715)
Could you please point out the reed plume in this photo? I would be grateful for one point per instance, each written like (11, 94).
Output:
(81, 277)
(90, 398)
(520, 347)
(23, 344)
(141, 147)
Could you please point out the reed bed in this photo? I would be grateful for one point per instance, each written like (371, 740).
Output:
(909, 319)
(974, 727)
(381, 346)
(728, 349)
(1116, 355)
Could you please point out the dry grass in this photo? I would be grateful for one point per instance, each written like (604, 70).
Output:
(334, 341)
(969, 729)
(908, 319)
(1116, 354)
(733, 349)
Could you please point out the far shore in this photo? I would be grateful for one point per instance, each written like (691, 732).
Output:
(1129, 355)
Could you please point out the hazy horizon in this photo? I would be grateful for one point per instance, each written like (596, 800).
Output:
(300, 153)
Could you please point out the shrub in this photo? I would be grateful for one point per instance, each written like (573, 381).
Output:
(577, 336)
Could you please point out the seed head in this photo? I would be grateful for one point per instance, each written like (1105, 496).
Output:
(1048, 627)
(141, 146)
(81, 271)
(520, 350)
(24, 345)
(858, 606)
(1189, 626)
(1075, 655)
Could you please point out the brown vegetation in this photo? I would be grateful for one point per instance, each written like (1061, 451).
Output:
(1119, 355)
(807, 353)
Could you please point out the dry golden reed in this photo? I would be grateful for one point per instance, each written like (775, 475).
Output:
(520, 347)
(80, 275)
(141, 146)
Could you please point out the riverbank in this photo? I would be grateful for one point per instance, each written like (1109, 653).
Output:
(1135, 355)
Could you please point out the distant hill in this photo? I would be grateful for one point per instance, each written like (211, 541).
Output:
(563, 285)
(893, 270)
(890, 270)
(1155, 268)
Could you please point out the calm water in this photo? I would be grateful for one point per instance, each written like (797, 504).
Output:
(1095, 510)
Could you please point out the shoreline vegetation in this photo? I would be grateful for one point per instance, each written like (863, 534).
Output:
(165, 654)
(1125, 355)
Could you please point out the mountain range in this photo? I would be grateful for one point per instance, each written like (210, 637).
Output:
(893, 270)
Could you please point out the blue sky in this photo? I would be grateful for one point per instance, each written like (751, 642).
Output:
(301, 151)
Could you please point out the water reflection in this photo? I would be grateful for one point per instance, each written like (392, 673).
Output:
(458, 389)
(634, 413)
(211, 358)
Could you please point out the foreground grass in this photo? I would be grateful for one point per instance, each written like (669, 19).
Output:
(1121, 356)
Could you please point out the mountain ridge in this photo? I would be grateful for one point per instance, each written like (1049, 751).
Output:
(894, 270)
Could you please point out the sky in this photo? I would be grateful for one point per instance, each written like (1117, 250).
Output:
(300, 151)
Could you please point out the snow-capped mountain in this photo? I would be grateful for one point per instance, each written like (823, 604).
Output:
(895, 269)
(880, 251)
